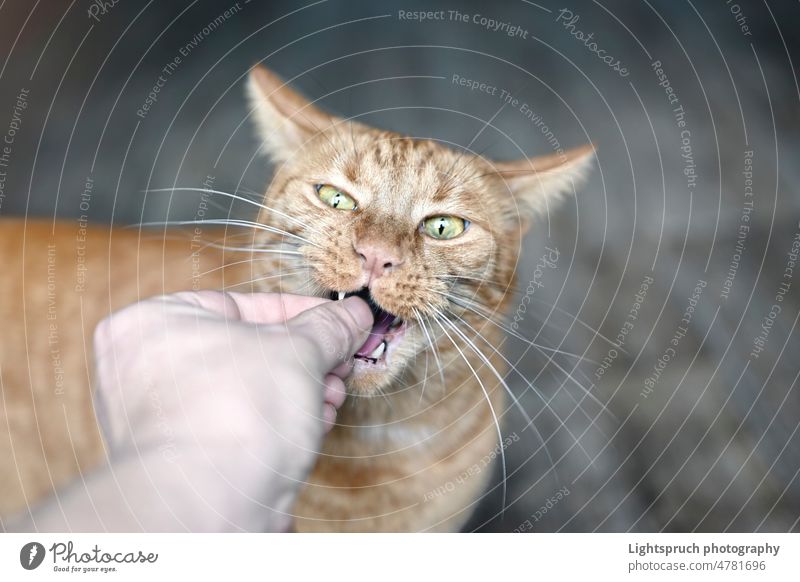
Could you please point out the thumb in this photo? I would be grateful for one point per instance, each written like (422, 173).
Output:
(337, 328)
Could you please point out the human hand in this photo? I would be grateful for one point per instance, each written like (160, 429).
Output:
(213, 406)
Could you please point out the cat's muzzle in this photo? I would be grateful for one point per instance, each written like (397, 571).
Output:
(385, 328)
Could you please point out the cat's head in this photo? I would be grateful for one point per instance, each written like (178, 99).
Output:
(420, 230)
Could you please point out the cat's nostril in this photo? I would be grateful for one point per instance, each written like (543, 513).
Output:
(387, 265)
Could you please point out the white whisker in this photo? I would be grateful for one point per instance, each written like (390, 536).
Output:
(490, 366)
(433, 346)
(236, 197)
(491, 408)
(231, 222)
(508, 330)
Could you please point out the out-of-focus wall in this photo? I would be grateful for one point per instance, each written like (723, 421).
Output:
(693, 205)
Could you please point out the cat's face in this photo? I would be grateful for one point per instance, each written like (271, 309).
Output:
(417, 229)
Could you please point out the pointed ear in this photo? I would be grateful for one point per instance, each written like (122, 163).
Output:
(285, 119)
(538, 183)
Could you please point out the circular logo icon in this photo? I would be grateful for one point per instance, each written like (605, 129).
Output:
(31, 555)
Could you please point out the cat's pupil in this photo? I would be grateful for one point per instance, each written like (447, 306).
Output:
(336, 200)
(441, 226)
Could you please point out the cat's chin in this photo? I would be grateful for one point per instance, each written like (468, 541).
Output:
(371, 375)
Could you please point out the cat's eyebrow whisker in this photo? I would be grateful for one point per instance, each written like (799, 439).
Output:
(232, 222)
(237, 197)
(491, 409)
(490, 366)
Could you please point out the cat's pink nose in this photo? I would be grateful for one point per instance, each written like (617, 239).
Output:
(377, 258)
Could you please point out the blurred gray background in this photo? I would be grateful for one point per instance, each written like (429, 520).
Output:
(712, 444)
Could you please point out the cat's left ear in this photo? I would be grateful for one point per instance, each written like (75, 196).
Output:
(284, 118)
(539, 183)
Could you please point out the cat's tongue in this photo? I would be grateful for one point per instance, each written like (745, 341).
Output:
(376, 336)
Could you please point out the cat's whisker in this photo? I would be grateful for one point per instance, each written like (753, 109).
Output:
(289, 273)
(530, 421)
(432, 344)
(232, 222)
(240, 198)
(581, 322)
(249, 249)
(550, 359)
(226, 265)
(483, 281)
(424, 377)
(382, 392)
(491, 408)
(259, 249)
(458, 301)
(587, 392)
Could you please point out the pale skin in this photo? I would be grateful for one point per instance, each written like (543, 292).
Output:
(213, 407)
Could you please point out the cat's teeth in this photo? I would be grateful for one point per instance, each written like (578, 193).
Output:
(341, 295)
(397, 322)
(378, 352)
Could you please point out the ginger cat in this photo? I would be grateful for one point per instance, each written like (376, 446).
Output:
(429, 236)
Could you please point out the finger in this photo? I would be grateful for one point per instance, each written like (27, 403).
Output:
(335, 392)
(328, 415)
(336, 328)
(271, 308)
(265, 308)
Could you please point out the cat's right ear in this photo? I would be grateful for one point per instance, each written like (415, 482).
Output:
(285, 119)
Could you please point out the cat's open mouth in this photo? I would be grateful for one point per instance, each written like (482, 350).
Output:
(386, 329)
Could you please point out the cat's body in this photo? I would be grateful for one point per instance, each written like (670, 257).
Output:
(430, 236)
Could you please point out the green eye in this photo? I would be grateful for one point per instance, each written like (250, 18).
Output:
(335, 198)
(444, 227)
